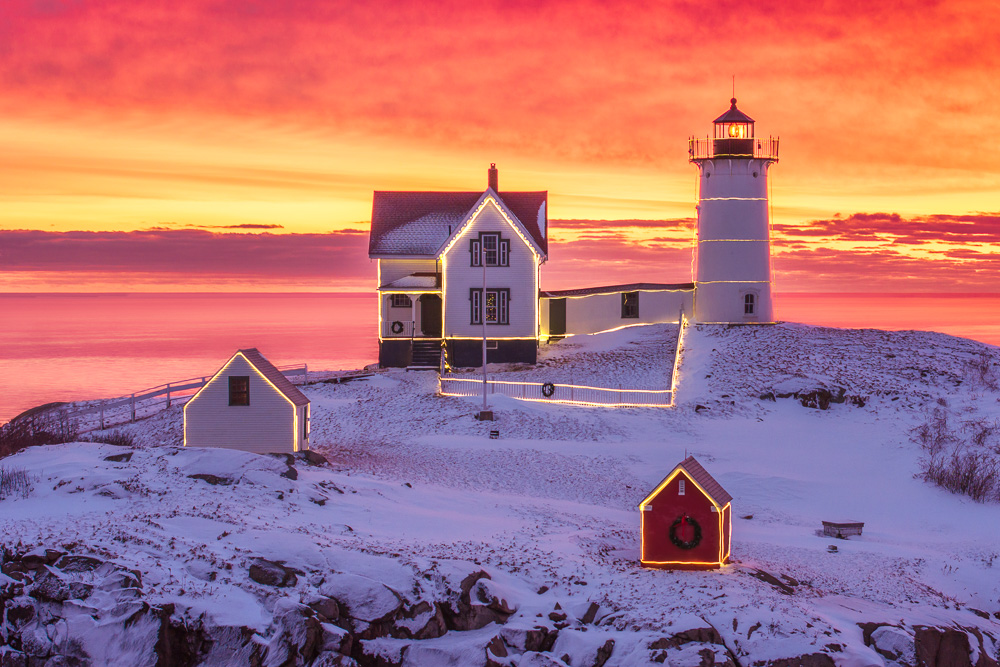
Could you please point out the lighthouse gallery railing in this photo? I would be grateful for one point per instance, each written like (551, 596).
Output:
(708, 148)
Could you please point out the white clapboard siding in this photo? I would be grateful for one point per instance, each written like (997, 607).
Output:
(394, 269)
(600, 312)
(520, 277)
(264, 426)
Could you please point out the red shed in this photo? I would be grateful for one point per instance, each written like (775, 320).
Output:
(686, 522)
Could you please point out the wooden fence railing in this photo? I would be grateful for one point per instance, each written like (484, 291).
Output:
(102, 414)
(469, 385)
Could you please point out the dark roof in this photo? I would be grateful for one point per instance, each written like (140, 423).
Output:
(277, 378)
(419, 223)
(705, 481)
(734, 115)
(611, 289)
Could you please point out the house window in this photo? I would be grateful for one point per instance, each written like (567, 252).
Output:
(680, 488)
(239, 390)
(401, 301)
(497, 306)
(630, 304)
(749, 304)
(492, 248)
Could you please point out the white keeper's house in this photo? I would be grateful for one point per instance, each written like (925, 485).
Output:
(453, 264)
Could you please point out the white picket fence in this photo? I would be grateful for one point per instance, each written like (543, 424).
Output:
(471, 385)
(453, 384)
(105, 413)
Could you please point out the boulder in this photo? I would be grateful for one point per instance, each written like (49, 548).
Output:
(894, 643)
(272, 573)
(808, 660)
(74, 563)
(534, 639)
(297, 638)
(48, 587)
(942, 647)
(479, 603)
(214, 480)
(328, 608)
(124, 457)
(604, 653)
(312, 458)
(707, 635)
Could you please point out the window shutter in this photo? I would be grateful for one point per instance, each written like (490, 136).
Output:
(474, 297)
(504, 253)
(504, 317)
(474, 251)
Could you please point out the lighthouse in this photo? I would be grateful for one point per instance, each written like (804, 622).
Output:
(733, 265)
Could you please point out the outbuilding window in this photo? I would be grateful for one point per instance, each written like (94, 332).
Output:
(239, 390)
(680, 488)
(630, 304)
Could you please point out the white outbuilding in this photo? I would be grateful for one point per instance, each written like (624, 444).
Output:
(250, 405)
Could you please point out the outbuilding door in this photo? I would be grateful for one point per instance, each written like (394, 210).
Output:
(430, 315)
(557, 317)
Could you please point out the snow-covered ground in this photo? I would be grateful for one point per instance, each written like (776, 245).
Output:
(416, 496)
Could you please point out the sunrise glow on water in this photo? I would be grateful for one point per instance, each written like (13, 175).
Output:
(72, 347)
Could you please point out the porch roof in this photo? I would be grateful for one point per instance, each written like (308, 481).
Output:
(422, 281)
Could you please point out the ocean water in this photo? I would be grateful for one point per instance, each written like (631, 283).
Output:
(62, 347)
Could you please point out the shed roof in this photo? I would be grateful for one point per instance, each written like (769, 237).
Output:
(700, 476)
(611, 289)
(420, 223)
(274, 376)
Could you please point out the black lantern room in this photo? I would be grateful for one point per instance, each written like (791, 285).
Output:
(733, 133)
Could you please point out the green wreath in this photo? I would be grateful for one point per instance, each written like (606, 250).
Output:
(675, 538)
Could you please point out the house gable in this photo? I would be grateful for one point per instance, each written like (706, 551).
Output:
(515, 282)
(491, 198)
(697, 475)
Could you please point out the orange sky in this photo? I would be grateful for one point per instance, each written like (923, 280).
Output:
(161, 128)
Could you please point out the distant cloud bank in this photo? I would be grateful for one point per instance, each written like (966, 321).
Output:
(861, 252)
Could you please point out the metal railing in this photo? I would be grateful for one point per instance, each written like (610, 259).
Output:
(573, 394)
(105, 413)
(708, 148)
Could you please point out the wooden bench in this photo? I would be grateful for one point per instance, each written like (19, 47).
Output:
(842, 529)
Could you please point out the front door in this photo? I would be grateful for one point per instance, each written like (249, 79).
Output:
(430, 315)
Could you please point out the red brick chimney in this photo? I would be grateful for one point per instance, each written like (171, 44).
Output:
(494, 177)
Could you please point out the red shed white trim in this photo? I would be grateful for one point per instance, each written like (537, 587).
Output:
(686, 497)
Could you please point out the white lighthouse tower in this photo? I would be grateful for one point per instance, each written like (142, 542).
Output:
(733, 271)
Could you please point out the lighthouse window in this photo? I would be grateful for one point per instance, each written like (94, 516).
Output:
(749, 304)
(630, 304)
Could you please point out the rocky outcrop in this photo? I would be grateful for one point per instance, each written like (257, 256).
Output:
(813, 394)
(79, 609)
(923, 646)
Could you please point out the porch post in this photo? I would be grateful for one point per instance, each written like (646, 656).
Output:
(413, 315)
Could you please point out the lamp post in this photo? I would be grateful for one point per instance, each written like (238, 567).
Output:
(482, 307)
